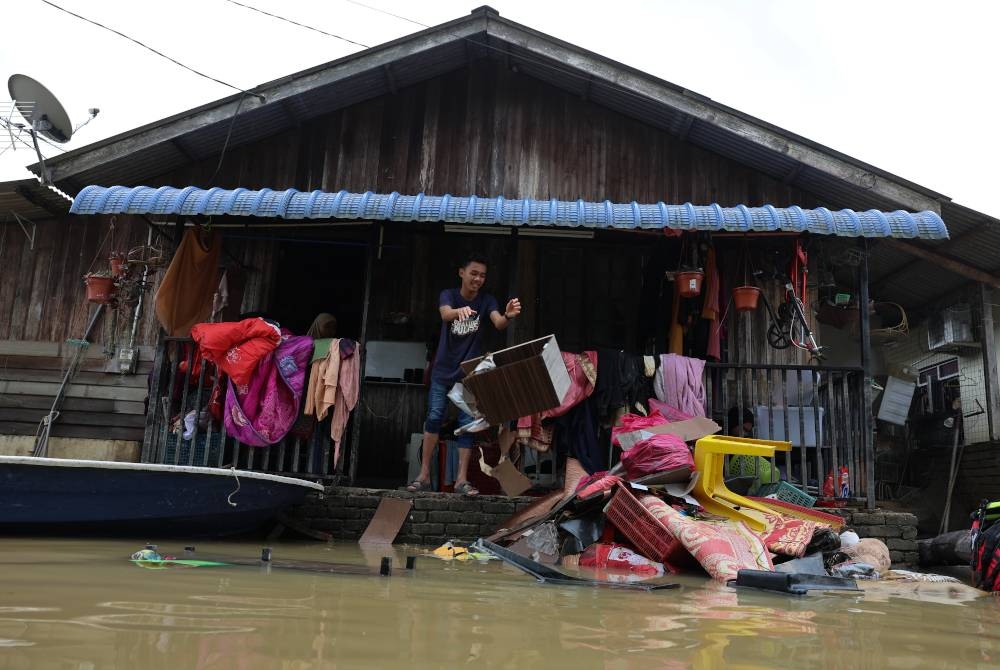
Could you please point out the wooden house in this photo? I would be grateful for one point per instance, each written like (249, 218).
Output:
(492, 114)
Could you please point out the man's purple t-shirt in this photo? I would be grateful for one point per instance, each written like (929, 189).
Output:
(460, 339)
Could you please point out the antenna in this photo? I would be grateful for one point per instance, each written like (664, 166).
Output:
(42, 111)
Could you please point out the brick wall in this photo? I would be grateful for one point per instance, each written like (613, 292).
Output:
(436, 518)
(897, 529)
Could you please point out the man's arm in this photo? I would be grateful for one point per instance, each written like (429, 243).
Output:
(502, 319)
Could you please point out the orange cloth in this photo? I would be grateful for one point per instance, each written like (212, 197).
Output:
(675, 343)
(324, 376)
(185, 294)
(711, 309)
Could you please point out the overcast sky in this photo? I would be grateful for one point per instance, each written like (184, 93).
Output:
(911, 87)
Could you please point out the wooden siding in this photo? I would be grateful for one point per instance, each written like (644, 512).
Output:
(487, 131)
(98, 404)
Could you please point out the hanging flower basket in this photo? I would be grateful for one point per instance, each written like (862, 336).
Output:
(117, 262)
(100, 288)
(745, 298)
(689, 283)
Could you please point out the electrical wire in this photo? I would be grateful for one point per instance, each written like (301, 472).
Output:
(225, 144)
(376, 9)
(296, 23)
(149, 48)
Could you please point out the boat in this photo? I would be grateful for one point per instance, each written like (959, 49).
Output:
(70, 496)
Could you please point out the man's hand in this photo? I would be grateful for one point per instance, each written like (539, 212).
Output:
(513, 308)
(463, 313)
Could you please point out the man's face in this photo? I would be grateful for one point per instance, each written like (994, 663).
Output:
(473, 277)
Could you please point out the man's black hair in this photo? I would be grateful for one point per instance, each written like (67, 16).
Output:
(474, 258)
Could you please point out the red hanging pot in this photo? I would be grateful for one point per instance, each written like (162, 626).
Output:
(745, 298)
(117, 263)
(100, 289)
(689, 283)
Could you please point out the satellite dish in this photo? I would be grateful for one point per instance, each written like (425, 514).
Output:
(40, 108)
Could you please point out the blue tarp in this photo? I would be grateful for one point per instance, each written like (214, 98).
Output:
(293, 204)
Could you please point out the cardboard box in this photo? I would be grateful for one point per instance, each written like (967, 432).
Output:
(528, 378)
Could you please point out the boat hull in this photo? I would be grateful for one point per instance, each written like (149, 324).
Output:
(47, 495)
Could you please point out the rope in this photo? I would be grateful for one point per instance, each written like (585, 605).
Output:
(229, 498)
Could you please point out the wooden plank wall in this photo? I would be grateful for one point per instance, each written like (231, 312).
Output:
(98, 404)
(487, 131)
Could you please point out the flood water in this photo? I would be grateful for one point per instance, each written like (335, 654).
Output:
(83, 604)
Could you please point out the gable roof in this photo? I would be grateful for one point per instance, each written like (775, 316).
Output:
(136, 156)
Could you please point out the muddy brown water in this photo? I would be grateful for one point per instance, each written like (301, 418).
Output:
(82, 604)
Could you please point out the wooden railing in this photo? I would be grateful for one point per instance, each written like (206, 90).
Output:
(821, 410)
(175, 392)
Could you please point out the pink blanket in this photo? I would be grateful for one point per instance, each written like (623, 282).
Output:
(262, 412)
(679, 383)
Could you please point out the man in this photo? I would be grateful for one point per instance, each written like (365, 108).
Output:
(461, 311)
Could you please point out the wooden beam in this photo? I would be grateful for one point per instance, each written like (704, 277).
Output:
(992, 378)
(867, 420)
(915, 262)
(946, 262)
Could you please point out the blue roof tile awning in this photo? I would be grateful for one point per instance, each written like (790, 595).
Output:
(292, 204)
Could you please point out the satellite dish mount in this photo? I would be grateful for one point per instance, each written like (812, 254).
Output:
(43, 112)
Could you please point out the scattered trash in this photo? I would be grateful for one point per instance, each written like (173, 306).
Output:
(547, 575)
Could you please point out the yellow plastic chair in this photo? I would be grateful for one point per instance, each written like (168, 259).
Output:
(711, 491)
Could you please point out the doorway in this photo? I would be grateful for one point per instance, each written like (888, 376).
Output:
(320, 275)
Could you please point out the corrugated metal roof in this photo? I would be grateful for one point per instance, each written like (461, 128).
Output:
(293, 204)
(28, 198)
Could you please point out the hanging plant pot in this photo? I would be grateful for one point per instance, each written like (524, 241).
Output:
(745, 298)
(100, 288)
(689, 283)
(117, 263)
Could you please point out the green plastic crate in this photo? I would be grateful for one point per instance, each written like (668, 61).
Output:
(787, 493)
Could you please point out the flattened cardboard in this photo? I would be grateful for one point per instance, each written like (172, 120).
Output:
(512, 481)
(388, 519)
(688, 430)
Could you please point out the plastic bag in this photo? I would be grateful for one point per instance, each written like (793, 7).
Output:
(464, 400)
(632, 422)
(619, 557)
(658, 453)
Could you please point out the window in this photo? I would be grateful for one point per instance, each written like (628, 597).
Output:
(936, 391)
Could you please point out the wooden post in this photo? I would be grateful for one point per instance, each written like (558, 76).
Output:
(373, 248)
(867, 422)
(990, 381)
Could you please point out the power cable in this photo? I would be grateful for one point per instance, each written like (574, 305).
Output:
(296, 23)
(158, 53)
(376, 9)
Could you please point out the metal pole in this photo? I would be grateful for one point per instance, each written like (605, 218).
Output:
(41, 447)
(867, 422)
